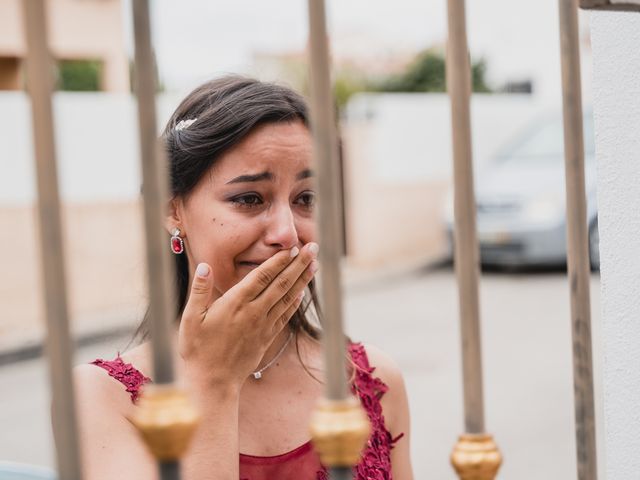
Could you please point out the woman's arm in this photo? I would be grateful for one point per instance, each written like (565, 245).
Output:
(395, 407)
(112, 448)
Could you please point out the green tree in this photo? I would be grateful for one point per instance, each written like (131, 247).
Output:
(79, 75)
(345, 85)
(478, 71)
(427, 73)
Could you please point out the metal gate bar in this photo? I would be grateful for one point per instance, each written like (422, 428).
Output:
(475, 456)
(577, 242)
(163, 407)
(326, 148)
(340, 426)
(155, 187)
(58, 342)
(466, 242)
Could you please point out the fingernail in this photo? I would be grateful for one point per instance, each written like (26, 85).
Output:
(294, 252)
(301, 296)
(313, 266)
(314, 248)
(202, 270)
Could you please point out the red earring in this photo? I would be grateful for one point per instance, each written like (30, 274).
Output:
(177, 244)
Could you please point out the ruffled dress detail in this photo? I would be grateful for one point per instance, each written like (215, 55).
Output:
(126, 374)
(302, 462)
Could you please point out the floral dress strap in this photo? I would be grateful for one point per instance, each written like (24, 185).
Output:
(375, 463)
(125, 373)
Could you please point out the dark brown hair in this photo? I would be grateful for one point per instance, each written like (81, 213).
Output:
(223, 112)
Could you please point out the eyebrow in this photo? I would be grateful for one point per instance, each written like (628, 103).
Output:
(304, 174)
(258, 177)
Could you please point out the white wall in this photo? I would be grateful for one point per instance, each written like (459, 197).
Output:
(398, 162)
(409, 134)
(409, 139)
(616, 92)
(96, 142)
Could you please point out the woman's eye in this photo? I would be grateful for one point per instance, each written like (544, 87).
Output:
(248, 200)
(307, 199)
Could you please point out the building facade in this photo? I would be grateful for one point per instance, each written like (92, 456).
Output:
(79, 30)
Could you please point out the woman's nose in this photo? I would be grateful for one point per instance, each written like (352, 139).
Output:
(281, 230)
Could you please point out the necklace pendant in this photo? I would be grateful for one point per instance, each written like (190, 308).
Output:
(257, 375)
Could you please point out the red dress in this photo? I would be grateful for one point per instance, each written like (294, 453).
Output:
(302, 463)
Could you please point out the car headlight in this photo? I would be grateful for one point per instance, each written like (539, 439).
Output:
(545, 209)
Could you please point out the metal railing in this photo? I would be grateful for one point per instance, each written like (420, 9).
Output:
(336, 435)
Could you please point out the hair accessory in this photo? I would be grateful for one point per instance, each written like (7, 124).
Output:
(177, 244)
(182, 124)
(258, 373)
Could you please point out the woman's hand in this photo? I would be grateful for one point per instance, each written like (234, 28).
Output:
(223, 342)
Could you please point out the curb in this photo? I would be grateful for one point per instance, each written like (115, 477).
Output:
(36, 349)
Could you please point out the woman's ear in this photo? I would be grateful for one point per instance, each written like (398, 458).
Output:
(173, 218)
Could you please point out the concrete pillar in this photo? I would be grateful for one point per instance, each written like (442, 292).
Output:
(616, 93)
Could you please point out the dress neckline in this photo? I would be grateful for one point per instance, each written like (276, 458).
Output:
(375, 463)
(262, 459)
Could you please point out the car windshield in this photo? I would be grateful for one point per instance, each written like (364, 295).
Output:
(545, 143)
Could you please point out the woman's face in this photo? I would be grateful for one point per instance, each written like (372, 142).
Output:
(257, 199)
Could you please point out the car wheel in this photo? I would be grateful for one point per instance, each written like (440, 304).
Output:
(594, 246)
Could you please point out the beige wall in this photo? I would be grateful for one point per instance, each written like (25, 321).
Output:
(104, 262)
(389, 223)
(78, 29)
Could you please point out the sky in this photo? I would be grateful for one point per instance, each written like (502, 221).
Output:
(197, 39)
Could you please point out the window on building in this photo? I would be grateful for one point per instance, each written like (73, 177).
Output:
(10, 77)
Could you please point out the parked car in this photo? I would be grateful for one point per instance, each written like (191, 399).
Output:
(520, 199)
(18, 471)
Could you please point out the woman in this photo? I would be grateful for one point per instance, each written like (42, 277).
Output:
(247, 350)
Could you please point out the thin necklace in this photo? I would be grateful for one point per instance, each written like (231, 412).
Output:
(258, 373)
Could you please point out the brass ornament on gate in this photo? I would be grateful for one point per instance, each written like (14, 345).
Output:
(166, 419)
(476, 457)
(339, 431)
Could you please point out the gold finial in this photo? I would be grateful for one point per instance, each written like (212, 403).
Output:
(166, 419)
(339, 431)
(476, 457)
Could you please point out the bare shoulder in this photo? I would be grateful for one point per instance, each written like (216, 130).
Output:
(395, 406)
(111, 448)
(394, 402)
(386, 367)
(95, 388)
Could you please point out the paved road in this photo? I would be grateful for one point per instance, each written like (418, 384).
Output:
(527, 365)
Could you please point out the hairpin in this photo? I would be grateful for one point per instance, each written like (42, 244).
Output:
(182, 124)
